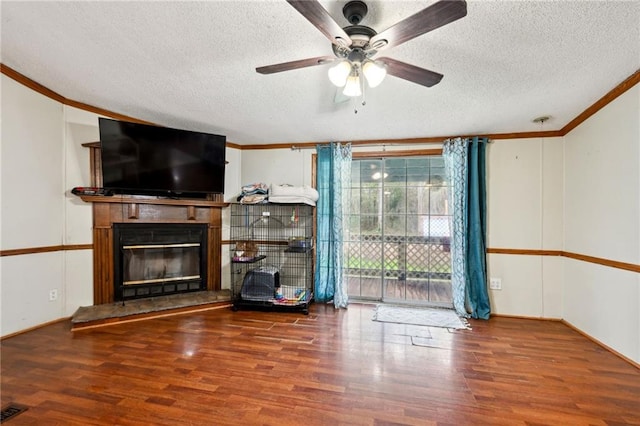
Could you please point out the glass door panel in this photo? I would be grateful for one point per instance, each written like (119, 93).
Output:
(397, 244)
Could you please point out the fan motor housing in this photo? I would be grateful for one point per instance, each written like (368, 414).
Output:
(359, 35)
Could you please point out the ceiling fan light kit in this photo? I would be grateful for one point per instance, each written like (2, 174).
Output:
(374, 72)
(339, 73)
(348, 73)
(355, 46)
(352, 88)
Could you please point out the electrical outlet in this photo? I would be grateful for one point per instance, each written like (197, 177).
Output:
(53, 295)
(495, 284)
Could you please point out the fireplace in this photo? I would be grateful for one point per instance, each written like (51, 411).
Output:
(155, 259)
(112, 212)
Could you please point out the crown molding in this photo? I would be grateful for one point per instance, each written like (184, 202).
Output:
(621, 88)
(627, 84)
(33, 85)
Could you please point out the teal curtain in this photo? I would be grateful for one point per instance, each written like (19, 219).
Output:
(454, 152)
(465, 160)
(333, 173)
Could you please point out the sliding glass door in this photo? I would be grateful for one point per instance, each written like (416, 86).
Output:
(398, 239)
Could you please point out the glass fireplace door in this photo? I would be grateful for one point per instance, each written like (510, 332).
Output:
(157, 263)
(158, 259)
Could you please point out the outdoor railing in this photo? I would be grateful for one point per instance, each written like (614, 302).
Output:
(405, 257)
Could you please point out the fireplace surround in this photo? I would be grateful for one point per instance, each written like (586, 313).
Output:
(110, 213)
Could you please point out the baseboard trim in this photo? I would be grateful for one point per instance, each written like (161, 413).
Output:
(577, 330)
(599, 343)
(525, 317)
(35, 327)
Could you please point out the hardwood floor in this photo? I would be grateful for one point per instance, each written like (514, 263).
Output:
(334, 367)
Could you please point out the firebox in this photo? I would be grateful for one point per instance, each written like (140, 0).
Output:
(158, 259)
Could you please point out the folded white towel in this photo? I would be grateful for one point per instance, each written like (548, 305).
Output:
(294, 191)
(291, 199)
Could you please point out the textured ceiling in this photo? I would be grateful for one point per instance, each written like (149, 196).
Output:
(192, 65)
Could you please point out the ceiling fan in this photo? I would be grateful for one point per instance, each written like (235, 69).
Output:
(355, 46)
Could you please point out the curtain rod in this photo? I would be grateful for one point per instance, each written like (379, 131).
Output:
(311, 145)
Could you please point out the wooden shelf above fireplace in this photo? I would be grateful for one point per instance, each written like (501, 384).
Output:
(132, 199)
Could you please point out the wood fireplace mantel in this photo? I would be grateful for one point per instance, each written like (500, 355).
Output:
(135, 209)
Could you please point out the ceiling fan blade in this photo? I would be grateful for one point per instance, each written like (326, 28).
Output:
(302, 63)
(320, 18)
(434, 16)
(411, 72)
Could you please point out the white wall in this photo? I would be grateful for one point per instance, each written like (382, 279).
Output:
(80, 127)
(602, 219)
(524, 199)
(232, 185)
(276, 166)
(42, 159)
(32, 206)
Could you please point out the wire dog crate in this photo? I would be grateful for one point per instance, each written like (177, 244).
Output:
(272, 256)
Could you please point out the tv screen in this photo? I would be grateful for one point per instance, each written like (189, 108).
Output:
(150, 160)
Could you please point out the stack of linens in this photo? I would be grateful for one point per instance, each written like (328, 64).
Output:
(254, 193)
(293, 194)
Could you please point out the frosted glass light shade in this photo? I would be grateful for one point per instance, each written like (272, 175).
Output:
(338, 73)
(374, 73)
(352, 88)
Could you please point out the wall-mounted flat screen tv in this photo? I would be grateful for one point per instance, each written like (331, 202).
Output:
(151, 160)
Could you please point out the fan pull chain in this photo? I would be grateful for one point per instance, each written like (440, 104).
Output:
(362, 97)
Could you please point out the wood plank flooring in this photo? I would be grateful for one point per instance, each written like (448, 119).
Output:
(332, 367)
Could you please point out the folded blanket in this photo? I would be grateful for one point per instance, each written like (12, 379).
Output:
(253, 199)
(255, 188)
(304, 191)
